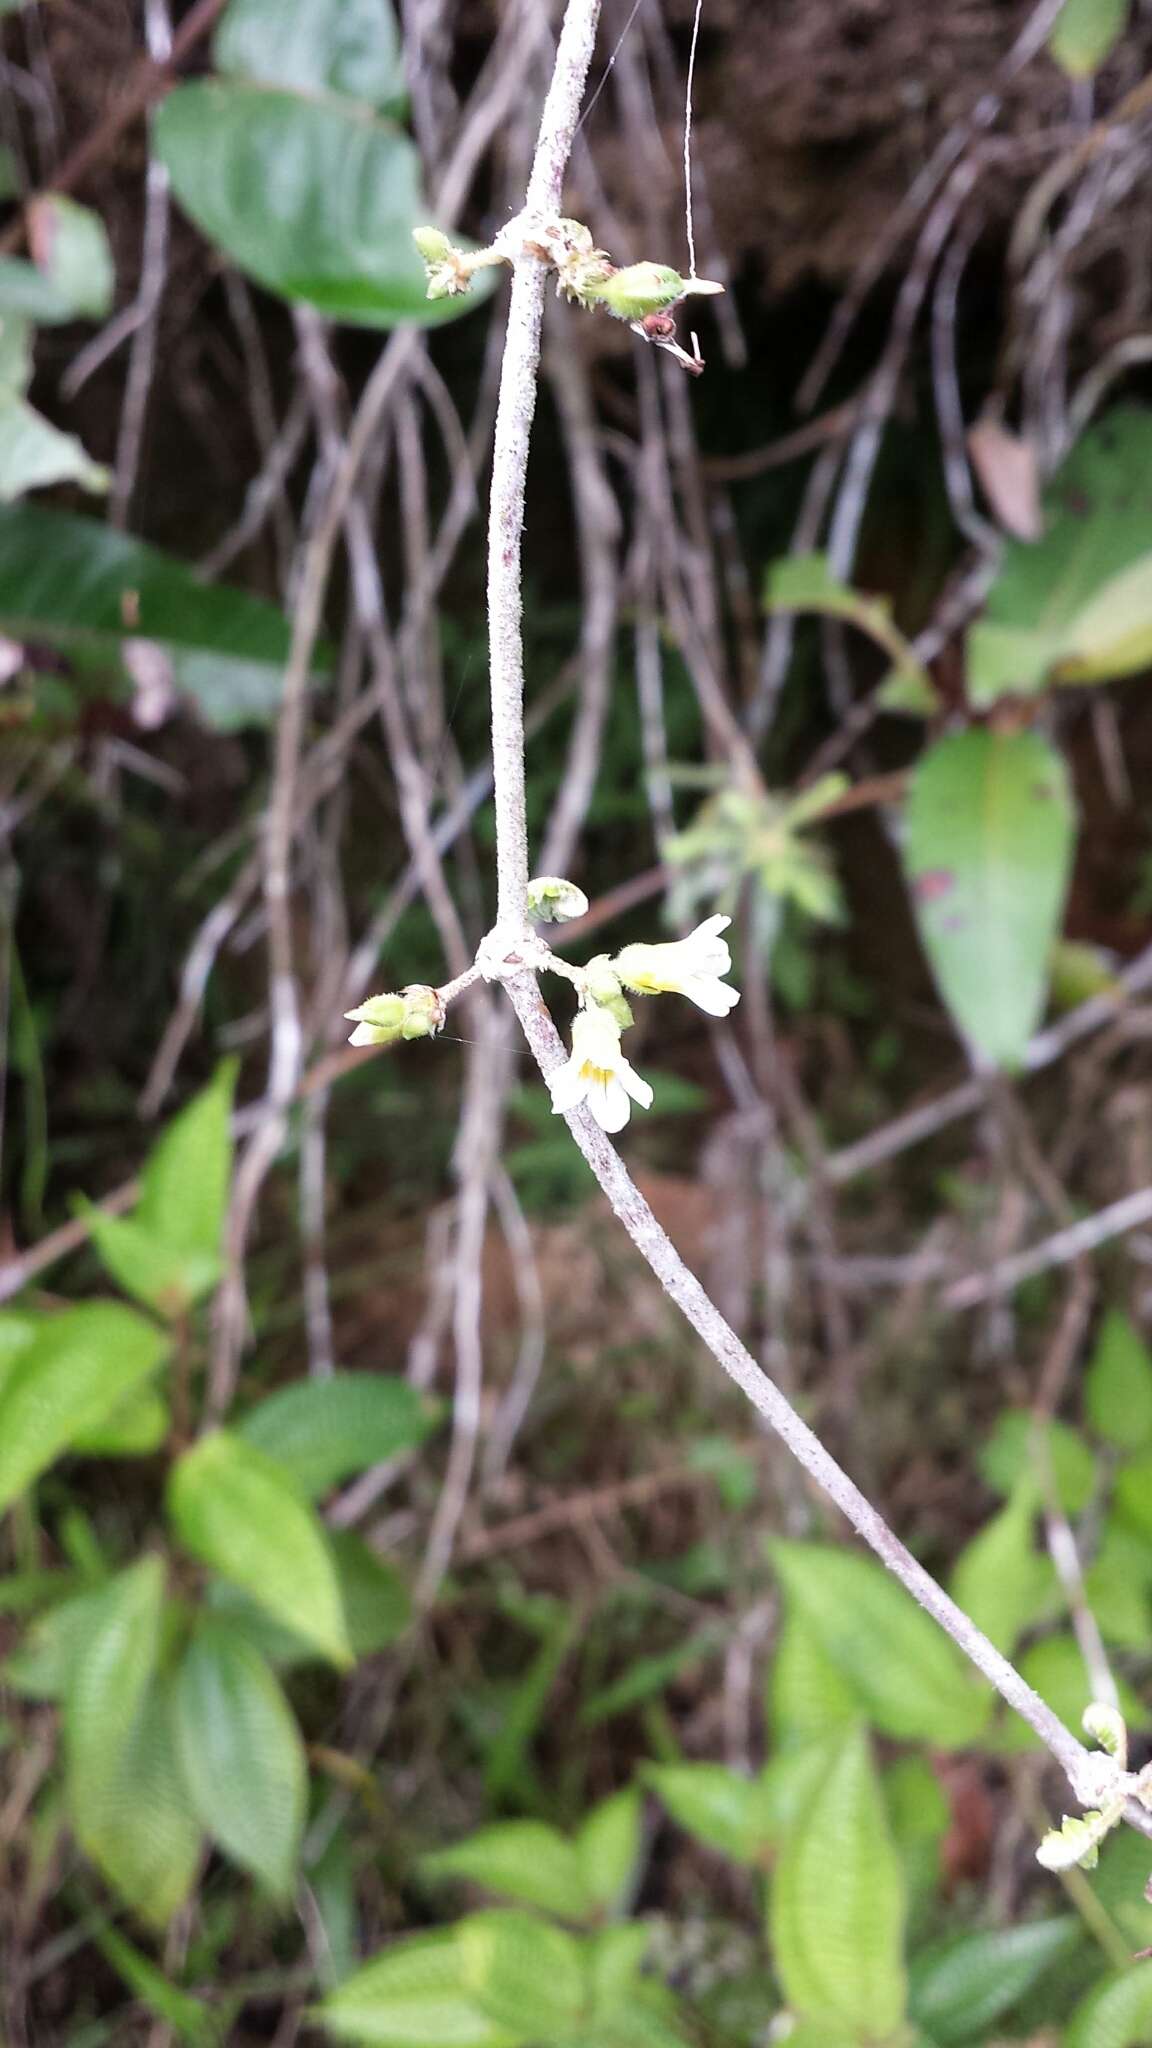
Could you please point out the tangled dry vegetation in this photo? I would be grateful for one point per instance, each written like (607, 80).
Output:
(922, 225)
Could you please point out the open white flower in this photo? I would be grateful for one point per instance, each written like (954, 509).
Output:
(598, 1073)
(690, 967)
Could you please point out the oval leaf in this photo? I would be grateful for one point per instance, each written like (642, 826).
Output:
(414, 1992)
(1117, 2014)
(313, 198)
(347, 47)
(152, 1272)
(241, 1754)
(988, 852)
(72, 581)
(137, 1821)
(907, 1676)
(608, 1845)
(184, 1185)
(524, 1860)
(320, 1431)
(960, 1988)
(67, 1379)
(125, 1796)
(728, 1812)
(1000, 1579)
(837, 1905)
(236, 1510)
(1096, 523)
(1118, 1386)
(1086, 32)
(524, 1973)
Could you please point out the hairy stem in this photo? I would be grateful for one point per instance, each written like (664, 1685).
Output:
(514, 421)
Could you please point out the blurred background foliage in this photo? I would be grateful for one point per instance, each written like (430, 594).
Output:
(405, 1639)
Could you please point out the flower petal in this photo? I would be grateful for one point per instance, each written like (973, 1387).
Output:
(638, 1088)
(568, 1087)
(608, 1101)
(711, 994)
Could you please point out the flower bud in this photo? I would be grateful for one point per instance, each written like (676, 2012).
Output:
(432, 244)
(643, 288)
(552, 900)
(379, 1021)
(602, 987)
(423, 1012)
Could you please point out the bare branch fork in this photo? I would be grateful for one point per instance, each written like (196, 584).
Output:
(511, 948)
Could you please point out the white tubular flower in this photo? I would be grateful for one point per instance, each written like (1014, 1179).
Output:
(598, 1073)
(690, 967)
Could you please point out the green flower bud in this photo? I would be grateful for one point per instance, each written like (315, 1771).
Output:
(423, 1012)
(552, 900)
(602, 987)
(379, 1021)
(643, 288)
(432, 244)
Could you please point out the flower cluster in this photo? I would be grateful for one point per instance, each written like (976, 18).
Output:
(417, 1012)
(596, 1072)
(643, 294)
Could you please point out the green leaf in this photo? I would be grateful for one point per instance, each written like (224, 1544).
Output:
(75, 582)
(1086, 32)
(608, 1846)
(524, 1860)
(34, 454)
(185, 1182)
(16, 1332)
(315, 199)
(69, 1378)
(718, 1806)
(1132, 1497)
(1049, 600)
(805, 583)
(1055, 1669)
(26, 294)
(646, 1677)
(988, 852)
(1117, 1585)
(1020, 1445)
(960, 1988)
(376, 1602)
(125, 1793)
(1000, 1579)
(235, 1510)
(106, 1683)
(615, 1956)
(910, 1681)
(139, 1826)
(191, 2021)
(321, 1431)
(837, 1903)
(1118, 1385)
(808, 1695)
(524, 1973)
(42, 1667)
(413, 1996)
(1118, 2014)
(1112, 636)
(789, 1781)
(152, 1272)
(241, 1754)
(71, 248)
(347, 47)
(136, 1427)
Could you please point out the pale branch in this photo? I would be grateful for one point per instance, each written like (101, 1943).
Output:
(508, 948)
